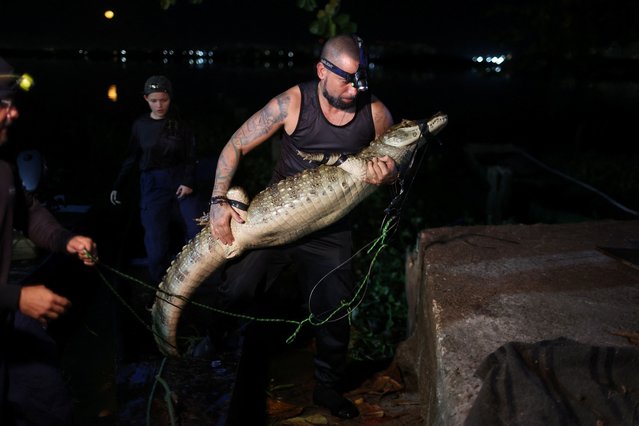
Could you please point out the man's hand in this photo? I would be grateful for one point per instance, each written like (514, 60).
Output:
(183, 191)
(42, 304)
(381, 170)
(80, 245)
(220, 216)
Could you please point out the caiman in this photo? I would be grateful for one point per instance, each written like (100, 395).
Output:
(282, 213)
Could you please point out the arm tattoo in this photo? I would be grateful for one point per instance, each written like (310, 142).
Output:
(262, 123)
(253, 131)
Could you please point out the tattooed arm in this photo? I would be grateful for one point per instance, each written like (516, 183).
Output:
(281, 111)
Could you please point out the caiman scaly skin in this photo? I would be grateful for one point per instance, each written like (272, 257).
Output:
(282, 213)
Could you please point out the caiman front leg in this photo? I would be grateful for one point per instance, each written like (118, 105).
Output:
(349, 163)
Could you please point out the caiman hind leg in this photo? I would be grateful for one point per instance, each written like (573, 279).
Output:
(194, 264)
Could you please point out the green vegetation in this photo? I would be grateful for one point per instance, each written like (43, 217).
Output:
(328, 19)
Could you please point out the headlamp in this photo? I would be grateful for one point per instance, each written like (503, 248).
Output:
(358, 79)
(24, 81)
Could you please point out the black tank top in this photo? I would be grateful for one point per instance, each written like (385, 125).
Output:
(314, 133)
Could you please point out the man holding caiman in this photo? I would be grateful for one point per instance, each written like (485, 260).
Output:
(333, 113)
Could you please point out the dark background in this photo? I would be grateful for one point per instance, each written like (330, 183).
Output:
(567, 94)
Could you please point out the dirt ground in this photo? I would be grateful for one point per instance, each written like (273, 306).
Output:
(205, 392)
(226, 392)
(380, 397)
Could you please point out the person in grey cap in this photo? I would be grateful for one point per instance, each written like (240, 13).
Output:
(32, 390)
(162, 147)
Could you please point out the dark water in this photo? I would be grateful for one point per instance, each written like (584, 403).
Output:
(575, 125)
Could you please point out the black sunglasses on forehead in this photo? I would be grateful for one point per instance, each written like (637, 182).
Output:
(359, 79)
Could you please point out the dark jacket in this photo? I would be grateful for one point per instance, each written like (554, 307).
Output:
(20, 210)
(160, 144)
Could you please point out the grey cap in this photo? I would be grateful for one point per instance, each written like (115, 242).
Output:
(158, 83)
(8, 80)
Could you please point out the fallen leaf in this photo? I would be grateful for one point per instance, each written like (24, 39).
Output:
(280, 409)
(314, 419)
(370, 410)
(385, 384)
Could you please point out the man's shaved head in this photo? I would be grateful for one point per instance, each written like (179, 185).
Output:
(340, 45)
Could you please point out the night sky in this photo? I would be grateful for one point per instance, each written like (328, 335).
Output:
(447, 26)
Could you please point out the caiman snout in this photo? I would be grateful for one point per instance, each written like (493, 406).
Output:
(433, 125)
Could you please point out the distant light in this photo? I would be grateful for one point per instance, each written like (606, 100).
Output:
(109, 14)
(112, 93)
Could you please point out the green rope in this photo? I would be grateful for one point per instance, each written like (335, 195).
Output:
(167, 396)
(376, 245)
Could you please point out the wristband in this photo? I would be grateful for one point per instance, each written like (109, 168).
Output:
(219, 199)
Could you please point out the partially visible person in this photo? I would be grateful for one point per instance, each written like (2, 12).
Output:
(32, 389)
(162, 148)
(333, 113)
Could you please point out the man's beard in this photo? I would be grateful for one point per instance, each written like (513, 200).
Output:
(336, 102)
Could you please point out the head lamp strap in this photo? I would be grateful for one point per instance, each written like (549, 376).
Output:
(13, 78)
(363, 60)
(361, 76)
(337, 70)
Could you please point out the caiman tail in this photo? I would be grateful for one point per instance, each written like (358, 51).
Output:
(283, 213)
(194, 264)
